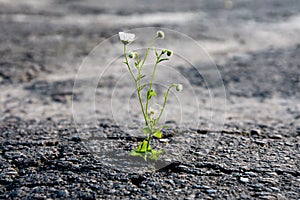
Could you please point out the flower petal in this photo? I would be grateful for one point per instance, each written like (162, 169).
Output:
(126, 38)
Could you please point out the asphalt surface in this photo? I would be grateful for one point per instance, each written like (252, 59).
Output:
(252, 152)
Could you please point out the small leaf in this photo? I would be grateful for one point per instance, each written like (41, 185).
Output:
(150, 93)
(163, 59)
(143, 147)
(149, 148)
(136, 63)
(156, 53)
(158, 134)
(151, 153)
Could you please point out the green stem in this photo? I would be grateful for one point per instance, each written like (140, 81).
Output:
(140, 68)
(152, 79)
(147, 51)
(136, 84)
(142, 106)
(154, 70)
(165, 101)
(127, 63)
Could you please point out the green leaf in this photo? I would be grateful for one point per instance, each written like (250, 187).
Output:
(143, 147)
(156, 53)
(136, 63)
(149, 147)
(151, 93)
(158, 134)
(163, 59)
(151, 153)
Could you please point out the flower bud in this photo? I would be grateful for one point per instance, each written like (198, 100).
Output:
(131, 55)
(152, 111)
(169, 53)
(179, 87)
(160, 34)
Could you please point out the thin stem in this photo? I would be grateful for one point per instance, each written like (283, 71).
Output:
(147, 51)
(127, 63)
(154, 70)
(165, 101)
(136, 84)
(152, 79)
(142, 106)
(140, 68)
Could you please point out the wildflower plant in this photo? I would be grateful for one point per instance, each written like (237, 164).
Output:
(151, 116)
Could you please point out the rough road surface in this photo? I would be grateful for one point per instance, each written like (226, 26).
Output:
(45, 155)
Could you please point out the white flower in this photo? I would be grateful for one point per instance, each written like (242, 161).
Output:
(126, 38)
(178, 87)
(160, 34)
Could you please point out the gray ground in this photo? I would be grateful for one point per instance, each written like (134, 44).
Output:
(254, 153)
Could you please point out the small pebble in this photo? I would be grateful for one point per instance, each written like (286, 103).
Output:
(244, 180)
(289, 144)
(276, 136)
(178, 190)
(205, 187)
(255, 132)
(62, 193)
(268, 197)
(211, 191)
(251, 173)
(257, 185)
(275, 189)
(260, 142)
(11, 172)
(171, 182)
(183, 167)
(164, 140)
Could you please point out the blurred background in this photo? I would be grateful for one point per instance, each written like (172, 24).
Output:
(254, 43)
